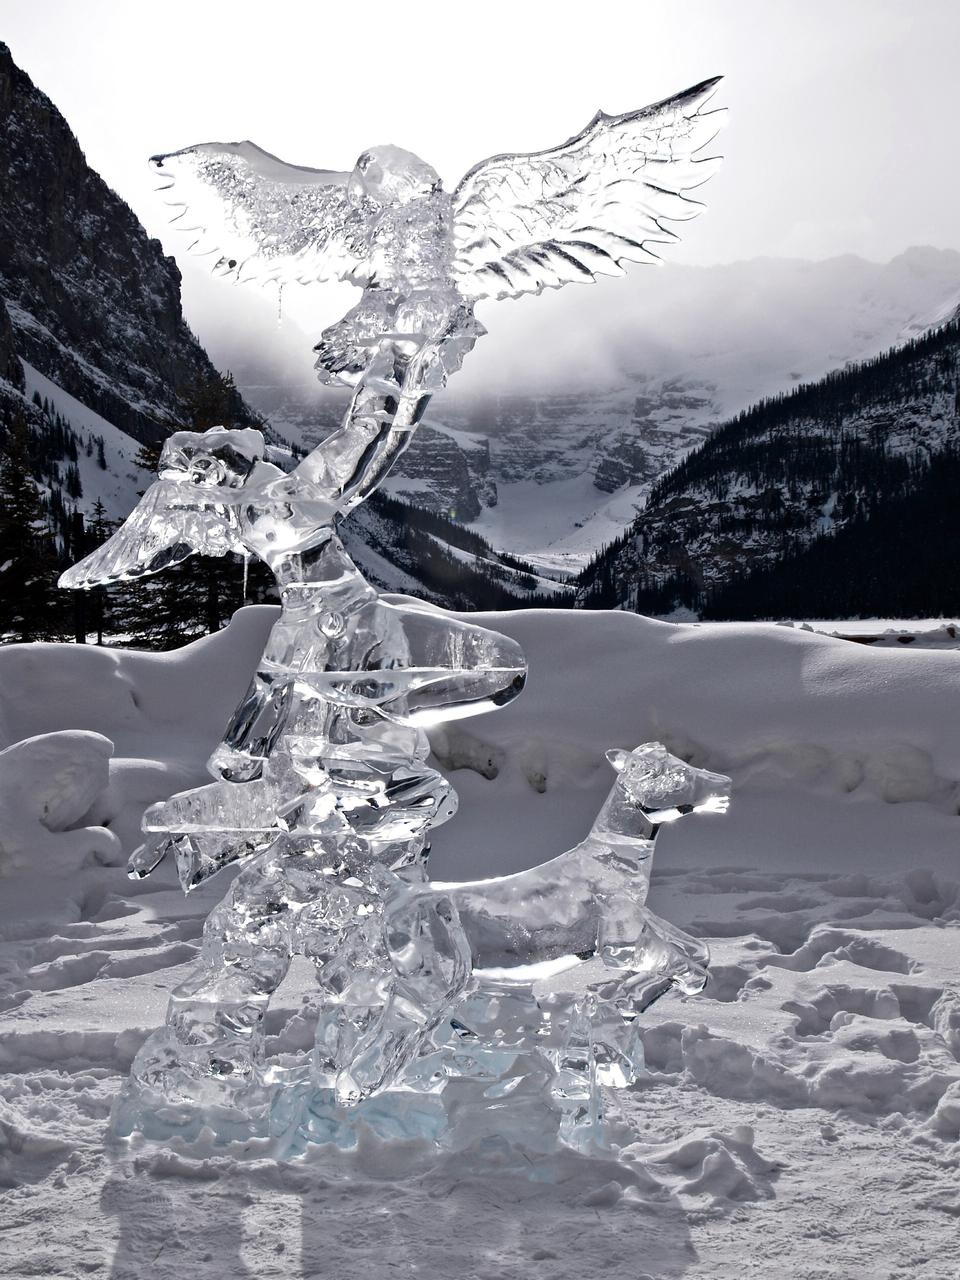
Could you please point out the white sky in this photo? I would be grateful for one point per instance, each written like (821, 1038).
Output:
(841, 133)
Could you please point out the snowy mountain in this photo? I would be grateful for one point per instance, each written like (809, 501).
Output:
(575, 403)
(93, 303)
(97, 359)
(839, 494)
(91, 328)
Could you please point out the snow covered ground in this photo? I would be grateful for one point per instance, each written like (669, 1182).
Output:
(801, 1118)
(926, 633)
(560, 525)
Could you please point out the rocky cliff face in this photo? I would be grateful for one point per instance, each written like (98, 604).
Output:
(447, 472)
(92, 302)
(11, 370)
(663, 426)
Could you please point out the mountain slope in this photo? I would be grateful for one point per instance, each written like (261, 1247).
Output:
(896, 557)
(96, 357)
(791, 470)
(93, 302)
(413, 551)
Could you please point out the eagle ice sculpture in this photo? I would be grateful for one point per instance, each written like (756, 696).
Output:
(514, 224)
(438, 1006)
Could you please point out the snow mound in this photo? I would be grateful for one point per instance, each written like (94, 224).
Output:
(47, 784)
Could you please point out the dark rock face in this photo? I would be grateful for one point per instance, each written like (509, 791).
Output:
(93, 303)
(663, 427)
(438, 474)
(11, 370)
(615, 436)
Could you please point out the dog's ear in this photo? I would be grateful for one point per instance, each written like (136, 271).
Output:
(618, 758)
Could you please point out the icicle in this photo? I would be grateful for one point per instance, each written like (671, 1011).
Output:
(246, 564)
(280, 304)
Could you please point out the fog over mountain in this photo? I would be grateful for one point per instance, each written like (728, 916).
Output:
(576, 401)
(573, 338)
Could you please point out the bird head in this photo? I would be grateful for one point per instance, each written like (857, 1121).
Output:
(391, 176)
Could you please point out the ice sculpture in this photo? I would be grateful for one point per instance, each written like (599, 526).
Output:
(564, 958)
(438, 1005)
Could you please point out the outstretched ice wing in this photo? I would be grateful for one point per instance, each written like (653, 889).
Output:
(523, 223)
(258, 218)
(170, 522)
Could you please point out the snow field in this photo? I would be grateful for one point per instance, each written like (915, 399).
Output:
(117, 486)
(800, 1118)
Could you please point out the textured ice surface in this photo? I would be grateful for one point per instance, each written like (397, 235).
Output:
(518, 995)
(514, 224)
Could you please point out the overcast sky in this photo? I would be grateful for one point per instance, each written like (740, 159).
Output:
(840, 138)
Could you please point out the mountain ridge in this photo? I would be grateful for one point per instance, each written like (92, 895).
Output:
(791, 471)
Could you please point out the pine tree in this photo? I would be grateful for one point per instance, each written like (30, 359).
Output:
(100, 529)
(75, 548)
(30, 609)
(73, 484)
(147, 459)
(212, 400)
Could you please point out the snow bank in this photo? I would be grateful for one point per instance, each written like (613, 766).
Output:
(829, 743)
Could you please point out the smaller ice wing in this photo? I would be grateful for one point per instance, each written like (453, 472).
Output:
(258, 218)
(170, 522)
(523, 223)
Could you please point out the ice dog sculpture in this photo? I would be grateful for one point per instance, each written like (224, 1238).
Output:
(564, 958)
(321, 783)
